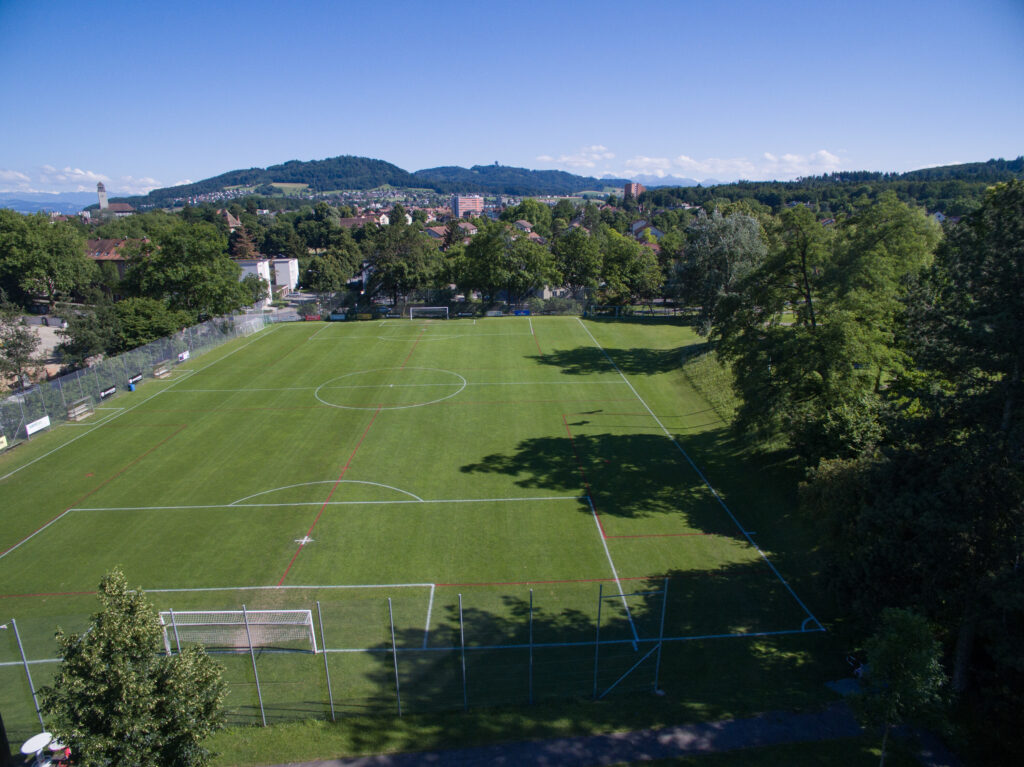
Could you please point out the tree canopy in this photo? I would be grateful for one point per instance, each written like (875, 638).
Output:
(116, 699)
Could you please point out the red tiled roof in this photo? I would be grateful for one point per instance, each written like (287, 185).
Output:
(105, 250)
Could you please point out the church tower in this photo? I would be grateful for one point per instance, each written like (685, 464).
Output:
(102, 192)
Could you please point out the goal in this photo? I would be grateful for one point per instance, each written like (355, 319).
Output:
(429, 312)
(228, 629)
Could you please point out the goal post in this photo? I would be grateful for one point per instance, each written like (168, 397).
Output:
(233, 630)
(428, 312)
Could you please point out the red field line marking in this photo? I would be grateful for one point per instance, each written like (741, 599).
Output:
(330, 494)
(98, 487)
(534, 334)
(583, 476)
(415, 343)
(541, 583)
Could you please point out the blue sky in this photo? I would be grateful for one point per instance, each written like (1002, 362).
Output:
(146, 94)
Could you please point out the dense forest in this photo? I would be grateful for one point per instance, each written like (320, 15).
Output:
(952, 190)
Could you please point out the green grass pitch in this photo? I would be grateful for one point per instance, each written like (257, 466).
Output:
(418, 461)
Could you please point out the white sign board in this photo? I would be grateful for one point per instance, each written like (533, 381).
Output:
(183, 356)
(32, 428)
(3, 442)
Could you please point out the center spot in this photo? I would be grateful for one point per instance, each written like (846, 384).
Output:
(390, 388)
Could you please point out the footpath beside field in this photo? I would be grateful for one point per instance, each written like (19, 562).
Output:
(771, 729)
(625, 747)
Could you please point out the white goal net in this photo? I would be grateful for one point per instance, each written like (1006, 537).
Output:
(428, 312)
(236, 630)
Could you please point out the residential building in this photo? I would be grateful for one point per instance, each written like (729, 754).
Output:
(523, 225)
(108, 251)
(261, 268)
(634, 190)
(465, 204)
(286, 272)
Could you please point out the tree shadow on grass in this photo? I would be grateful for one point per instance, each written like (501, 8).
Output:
(586, 360)
(704, 677)
(625, 475)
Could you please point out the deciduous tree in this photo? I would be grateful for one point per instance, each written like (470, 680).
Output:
(117, 700)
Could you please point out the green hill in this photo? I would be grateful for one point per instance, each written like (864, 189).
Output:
(348, 172)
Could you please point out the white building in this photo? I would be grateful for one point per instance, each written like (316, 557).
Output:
(286, 272)
(261, 268)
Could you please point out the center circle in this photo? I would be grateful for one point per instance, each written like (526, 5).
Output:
(390, 388)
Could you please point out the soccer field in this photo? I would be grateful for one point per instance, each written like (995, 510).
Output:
(437, 475)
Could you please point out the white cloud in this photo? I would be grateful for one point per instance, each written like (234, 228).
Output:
(13, 176)
(586, 157)
(80, 180)
(133, 185)
(596, 160)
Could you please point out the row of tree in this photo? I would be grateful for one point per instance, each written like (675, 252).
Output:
(889, 357)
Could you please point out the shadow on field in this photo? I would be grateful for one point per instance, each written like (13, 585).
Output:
(679, 320)
(703, 677)
(584, 360)
(626, 475)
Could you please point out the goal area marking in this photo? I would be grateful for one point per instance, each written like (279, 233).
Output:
(428, 312)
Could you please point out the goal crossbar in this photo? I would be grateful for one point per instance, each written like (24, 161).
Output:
(428, 311)
(238, 629)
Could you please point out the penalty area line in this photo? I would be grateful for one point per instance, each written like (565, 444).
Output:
(746, 533)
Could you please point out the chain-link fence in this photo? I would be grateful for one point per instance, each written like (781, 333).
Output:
(79, 392)
(407, 649)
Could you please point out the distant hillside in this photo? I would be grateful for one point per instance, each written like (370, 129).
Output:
(501, 179)
(346, 172)
(31, 202)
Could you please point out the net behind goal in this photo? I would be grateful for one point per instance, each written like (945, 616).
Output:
(428, 312)
(228, 629)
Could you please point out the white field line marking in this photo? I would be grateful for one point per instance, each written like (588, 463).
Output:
(25, 540)
(615, 574)
(327, 482)
(470, 648)
(430, 609)
(143, 402)
(232, 391)
(237, 505)
(321, 330)
(432, 337)
(531, 326)
(397, 386)
(307, 588)
(581, 643)
(742, 529)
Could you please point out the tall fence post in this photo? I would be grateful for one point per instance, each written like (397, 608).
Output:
(327, 670)
(462, 642)
(597, 638)
(252, 655)
(394, 655)
(28, 674)
(661, 635)
(531, 646)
